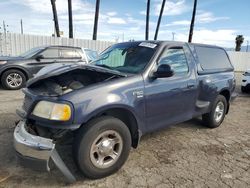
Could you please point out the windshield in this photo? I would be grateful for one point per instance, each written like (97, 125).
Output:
(91, 55)
(31, 52)
(127, 57)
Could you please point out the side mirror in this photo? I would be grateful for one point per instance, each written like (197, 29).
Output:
(39, 57)
(163, 71)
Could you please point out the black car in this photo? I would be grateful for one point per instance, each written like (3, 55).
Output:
(15, 71)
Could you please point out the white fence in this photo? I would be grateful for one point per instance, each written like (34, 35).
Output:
(240, 60)
(15, 44)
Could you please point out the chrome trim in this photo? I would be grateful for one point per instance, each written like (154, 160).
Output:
(33, 146)
(36, 147)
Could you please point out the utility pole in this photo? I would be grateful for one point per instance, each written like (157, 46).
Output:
(5, 44)
(70, 19)
(96, 19)
(4, 28)
(247, 46)
(4, 31)
(147, 20)
(21, 22)
(53, 3)
(173, 33)
(159, 19)
(192, 22)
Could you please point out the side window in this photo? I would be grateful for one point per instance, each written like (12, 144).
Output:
(67, 53)
(176, 58)
(50, 53)
(78, 54)
(212, 58)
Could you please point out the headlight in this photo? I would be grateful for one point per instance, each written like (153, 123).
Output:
(2, 62)
(52, 111)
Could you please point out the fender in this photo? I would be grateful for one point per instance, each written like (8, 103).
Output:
(98, 111)
(27, 73)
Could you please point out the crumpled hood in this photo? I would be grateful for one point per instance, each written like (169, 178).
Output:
(60, 68)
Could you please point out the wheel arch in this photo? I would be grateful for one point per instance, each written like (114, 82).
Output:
(226, 93)
(26, 73)
(126, 116)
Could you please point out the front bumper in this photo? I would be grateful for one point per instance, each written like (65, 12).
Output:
(31, 146)
(35, 152)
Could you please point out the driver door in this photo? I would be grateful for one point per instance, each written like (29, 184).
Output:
(171, 100)
(50, 55)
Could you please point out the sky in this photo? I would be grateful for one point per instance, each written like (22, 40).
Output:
(218, 22)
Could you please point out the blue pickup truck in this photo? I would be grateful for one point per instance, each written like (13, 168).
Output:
(133, 88)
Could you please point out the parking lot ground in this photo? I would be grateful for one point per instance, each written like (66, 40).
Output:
(184, 155)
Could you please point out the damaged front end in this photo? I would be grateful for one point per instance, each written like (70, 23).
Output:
(62, 79)
(36, 152)
(38, 133)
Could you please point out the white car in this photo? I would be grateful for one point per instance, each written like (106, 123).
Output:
(245, 84)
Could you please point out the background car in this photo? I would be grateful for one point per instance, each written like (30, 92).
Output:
(245, 84)
(89, 55)
(15, 71)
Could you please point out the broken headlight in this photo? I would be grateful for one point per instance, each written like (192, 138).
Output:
(52, 111)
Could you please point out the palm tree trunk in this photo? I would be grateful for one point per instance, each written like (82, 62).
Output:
(192, 22)
(159, 19)
(96, 19)
(53, 3)
(147, 20)
(70, 19)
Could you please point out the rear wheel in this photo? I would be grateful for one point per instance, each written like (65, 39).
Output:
(217, 114)
(102, 147)
(13, 79)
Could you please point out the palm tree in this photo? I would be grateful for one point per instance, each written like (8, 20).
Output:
(159, 19)
(53, 4)
(239, 40)
(147, 20)
(96, 19)
(192, 22)
(70, 19)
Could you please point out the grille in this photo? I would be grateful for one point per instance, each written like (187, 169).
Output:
(27, 103)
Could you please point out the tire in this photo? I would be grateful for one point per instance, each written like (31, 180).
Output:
(212, 119)
(92, 134)
(18, 81)
(243, 89)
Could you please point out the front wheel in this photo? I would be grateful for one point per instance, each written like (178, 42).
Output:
(101, 147)
(13, 79)
(217, 114)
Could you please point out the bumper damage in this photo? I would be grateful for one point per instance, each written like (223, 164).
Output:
(36, 152)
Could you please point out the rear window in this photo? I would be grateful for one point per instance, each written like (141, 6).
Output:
(70, 53)
(212, 58)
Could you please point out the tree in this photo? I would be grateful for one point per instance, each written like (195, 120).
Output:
(238, 41)
(159, 19)
(96, 19)
(192, 22)
(70, 19)
(147, 20)
(53, 4)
